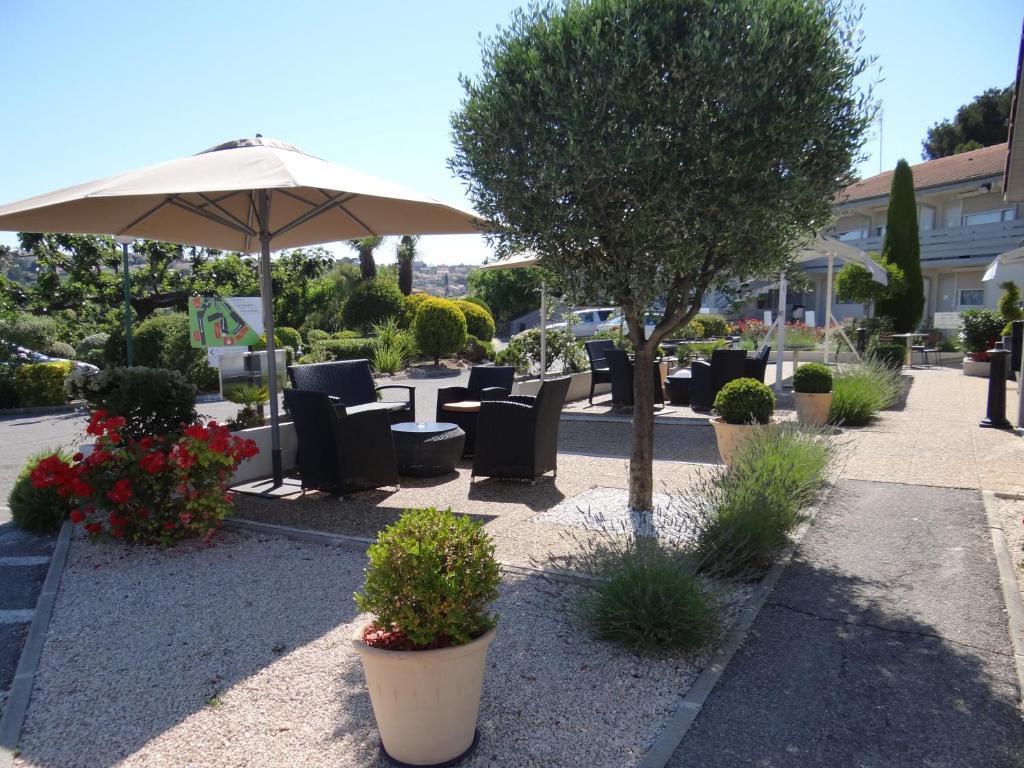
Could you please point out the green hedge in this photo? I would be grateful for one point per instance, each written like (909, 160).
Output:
(346, 349)
(41, 384)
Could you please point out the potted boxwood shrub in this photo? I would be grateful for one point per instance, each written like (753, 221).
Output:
(742, 405)
(430, 582)
(812, 393)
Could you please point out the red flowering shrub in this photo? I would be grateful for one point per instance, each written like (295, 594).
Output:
(153, 490)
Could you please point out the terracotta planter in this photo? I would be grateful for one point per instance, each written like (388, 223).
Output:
(812, 407)
(426, 702)
(731, 436)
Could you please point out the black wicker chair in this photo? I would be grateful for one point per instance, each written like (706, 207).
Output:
(486, 382)
(621, 368)
(706, 378)
(517, 438)
(350, 383)
(754, 367)
(341, 452)
(599, 371)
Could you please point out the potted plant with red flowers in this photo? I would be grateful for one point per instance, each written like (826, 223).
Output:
(430, 582)
(156, 489)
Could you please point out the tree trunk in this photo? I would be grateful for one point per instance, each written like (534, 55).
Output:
(405, 275)
(641, 468)
(367, 265)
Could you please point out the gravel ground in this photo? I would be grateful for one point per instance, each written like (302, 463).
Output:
(1012, 513)
(238, 654)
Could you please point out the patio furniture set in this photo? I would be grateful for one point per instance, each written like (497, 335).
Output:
(352, 440)
(695, 386)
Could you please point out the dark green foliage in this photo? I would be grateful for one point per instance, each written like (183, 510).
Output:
(38, 510)
(745, 401)
(746, 512)
(508, 293)
(8, 387)
(346, 334)
(692, 330)
(890, 355)
(477, 351)
(523, 352)
(980, 329)
(812, 378)
(345, 349)
(902, 247)
(433, 576)
(1009, 303)
(314, 335)
(373, 301)
(60, 349)
(479, 322)
(981, 123)
(860, 391)
(406, 255)
(440, 328)
(480, 303)
(153, 401)
(650, 600)
(39, 384)
(34, 332)
(289, 337)
(854, 283)
(91, 349)
(713, 325)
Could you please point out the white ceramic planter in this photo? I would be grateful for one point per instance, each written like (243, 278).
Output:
(731, 436)
(426, 702)
(260, 466)
(579, 387)
(974, 368)
(812, 407)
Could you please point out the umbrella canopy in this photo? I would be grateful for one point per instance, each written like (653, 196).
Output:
(1010, 258)
(518, 261)
(834, 250)
(245, 195)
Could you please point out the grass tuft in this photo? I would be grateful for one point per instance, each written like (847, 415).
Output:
(861, 390)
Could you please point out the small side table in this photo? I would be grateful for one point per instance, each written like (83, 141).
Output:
(427, 449)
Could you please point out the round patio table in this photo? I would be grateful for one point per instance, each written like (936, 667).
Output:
(427, 449)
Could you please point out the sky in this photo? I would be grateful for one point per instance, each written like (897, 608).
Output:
(94, 88)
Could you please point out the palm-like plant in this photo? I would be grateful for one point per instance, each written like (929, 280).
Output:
(406, 254)
(365, 246)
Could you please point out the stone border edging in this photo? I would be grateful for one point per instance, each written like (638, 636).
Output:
(42, 410)
(24, 676)
(1008, 581)
(680, 722)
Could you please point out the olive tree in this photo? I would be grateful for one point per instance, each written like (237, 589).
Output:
(648, 149)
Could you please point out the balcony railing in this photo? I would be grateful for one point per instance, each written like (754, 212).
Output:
(959, 242)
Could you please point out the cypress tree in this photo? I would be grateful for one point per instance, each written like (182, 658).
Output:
(902, 247)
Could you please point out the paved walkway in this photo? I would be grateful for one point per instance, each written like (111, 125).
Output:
(884, 644)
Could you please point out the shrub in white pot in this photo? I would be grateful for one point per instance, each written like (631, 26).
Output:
(812, 393)
(743, 405)
(430, 583)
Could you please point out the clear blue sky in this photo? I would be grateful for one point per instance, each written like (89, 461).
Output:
(94, 87)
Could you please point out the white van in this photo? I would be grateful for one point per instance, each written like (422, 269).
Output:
(586, 322)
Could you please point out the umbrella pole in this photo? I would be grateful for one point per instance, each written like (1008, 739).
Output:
(828, 307)
(543, 328)
(267, 295)
(780, 332)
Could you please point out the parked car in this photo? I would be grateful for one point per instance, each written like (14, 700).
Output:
(616, 321)
(585, 322)
(14, 353)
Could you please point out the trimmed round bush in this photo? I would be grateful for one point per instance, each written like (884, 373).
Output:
(476, 351)
(745, 401)
(90, 349)
(813, 378)
(431, 577)
(153, 401)
(412, 304)
(373, 301)
(650, 601)
(59, 349)
(714, 325)
(480, 303)
(288, 336)
(440, 328)
(342, 335)
(479, 322)
(693, 330)
(38, 510)
(316, 334)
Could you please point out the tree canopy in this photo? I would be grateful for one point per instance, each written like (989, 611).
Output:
(508, 293)
(854, 283)
(981, 123)
(646, 149)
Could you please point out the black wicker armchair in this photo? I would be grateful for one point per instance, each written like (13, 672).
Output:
(517, 438)
(622, 379)
(599, 371)
(341, 452)
(486, 382)
(707, 378)
(754, 367)
(350, 383)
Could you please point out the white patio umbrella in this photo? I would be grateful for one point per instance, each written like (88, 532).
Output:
(246, 195)
(833, 250)
(1010, 258)
(525, 261)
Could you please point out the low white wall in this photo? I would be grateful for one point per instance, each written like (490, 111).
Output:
(579, 387)
(259, 466)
